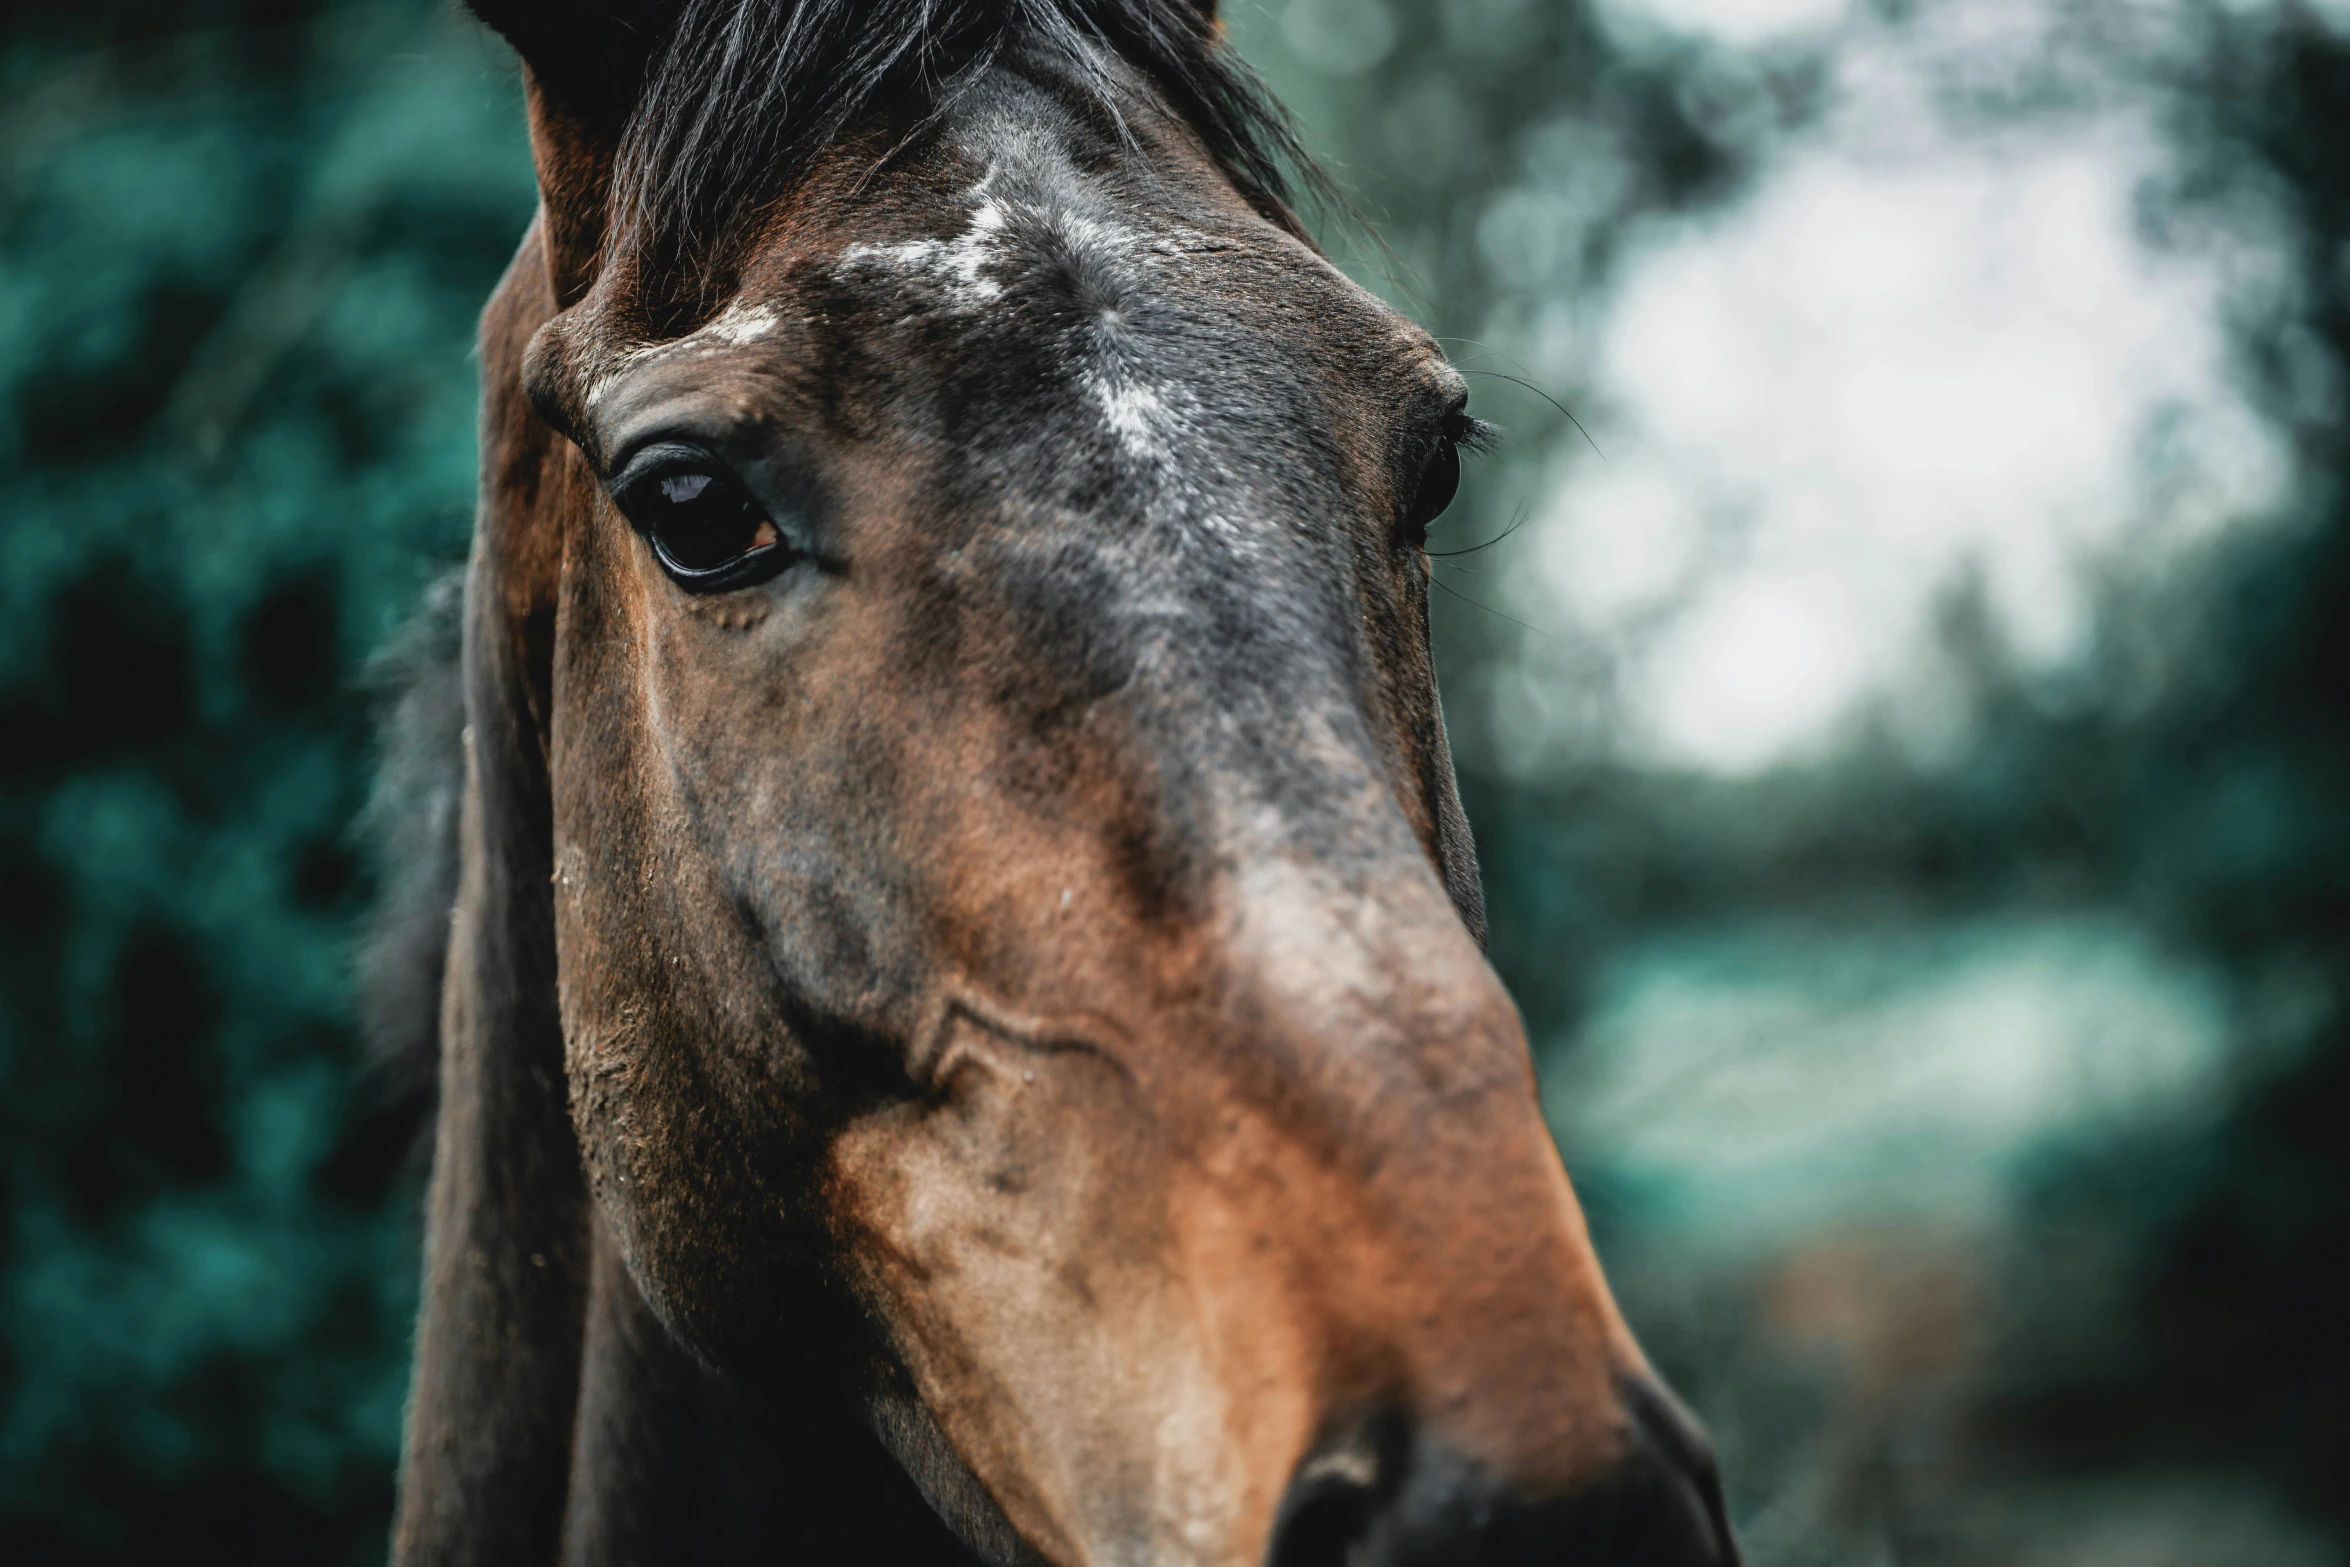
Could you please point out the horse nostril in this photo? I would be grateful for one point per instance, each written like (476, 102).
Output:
(1385, 1496)
(1323, 1527)
(1335, 1498)
(1675, 1448)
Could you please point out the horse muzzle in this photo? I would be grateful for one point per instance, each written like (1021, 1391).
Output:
(1373, 1178)
(1390, 1492)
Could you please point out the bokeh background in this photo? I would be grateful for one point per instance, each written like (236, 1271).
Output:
(1903, 710)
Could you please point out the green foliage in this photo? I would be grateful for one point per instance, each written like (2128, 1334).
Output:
(242, 246)
(240, 273)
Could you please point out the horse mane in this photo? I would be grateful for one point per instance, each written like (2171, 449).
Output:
(410, 824)
(746, 92)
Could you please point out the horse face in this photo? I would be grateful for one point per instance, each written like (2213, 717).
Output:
(1014, 916)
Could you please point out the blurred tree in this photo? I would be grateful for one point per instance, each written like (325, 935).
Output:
(241, 249)
(242, 243)
(2233, 835)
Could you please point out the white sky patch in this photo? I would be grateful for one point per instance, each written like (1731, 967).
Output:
(1744, 24)
(1735, 22)
(1914, 351)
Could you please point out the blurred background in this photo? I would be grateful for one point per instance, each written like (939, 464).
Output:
(1903, 710)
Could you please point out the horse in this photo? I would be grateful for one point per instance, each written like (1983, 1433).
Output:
(960, 1011)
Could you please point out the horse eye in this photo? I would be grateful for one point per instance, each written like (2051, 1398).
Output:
(1440, 481)
(706, 530)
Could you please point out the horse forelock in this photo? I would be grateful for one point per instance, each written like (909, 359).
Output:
(744, 95)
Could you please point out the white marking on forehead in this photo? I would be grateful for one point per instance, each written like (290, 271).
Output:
(1151, 422)
(960, 266)
(1137, 415)
(738, 325)
(960, 263)
(1111, 244)
(1150, 419)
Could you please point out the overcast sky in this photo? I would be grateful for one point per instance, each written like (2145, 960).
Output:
(1920, 344)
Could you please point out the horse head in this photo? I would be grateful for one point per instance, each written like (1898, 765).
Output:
(967, 916)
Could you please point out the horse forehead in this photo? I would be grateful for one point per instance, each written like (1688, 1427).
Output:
(1013, 228)
(1094, 258)
(1141, 337)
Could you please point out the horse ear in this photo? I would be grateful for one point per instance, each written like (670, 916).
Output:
(589, 55)
(584, 64)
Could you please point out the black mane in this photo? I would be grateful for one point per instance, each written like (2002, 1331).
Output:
(410, 828)
(747, 91)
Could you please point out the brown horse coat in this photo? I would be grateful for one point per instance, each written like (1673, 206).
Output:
(964, 983)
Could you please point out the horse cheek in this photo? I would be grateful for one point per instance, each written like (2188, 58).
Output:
(1011, 1228)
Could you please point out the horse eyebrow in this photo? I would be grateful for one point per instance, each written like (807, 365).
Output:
(747, 92)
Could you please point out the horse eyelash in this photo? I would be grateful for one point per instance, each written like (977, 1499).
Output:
(1472, 434)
